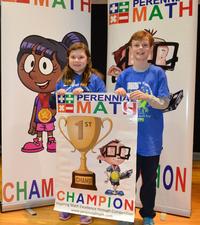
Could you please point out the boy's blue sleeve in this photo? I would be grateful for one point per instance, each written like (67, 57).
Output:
(119, 83)
(163, 90)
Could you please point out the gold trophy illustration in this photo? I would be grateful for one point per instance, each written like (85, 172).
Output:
(83, 134)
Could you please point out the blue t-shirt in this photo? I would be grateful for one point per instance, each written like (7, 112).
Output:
(150, 121)
(96, 84)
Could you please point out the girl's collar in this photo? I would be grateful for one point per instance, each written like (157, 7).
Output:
(78, 74)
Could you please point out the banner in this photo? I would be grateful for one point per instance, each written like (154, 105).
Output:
(174, 27)
(33, 54)
(96, 155)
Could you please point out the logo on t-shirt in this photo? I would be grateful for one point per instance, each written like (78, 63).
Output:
(143, 105)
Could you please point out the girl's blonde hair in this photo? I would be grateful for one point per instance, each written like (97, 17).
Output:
(141, 35)
(68, 73)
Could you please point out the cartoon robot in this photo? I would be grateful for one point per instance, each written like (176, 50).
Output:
(115, 153)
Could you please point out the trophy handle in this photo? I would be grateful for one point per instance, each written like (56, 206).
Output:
(111, 125)
(59, 121)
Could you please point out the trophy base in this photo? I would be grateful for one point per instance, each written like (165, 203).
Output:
(83, 181)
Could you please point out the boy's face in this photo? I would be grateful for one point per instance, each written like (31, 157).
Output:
(141, 49)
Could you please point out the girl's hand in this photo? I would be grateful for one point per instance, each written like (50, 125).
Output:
(139, 95)
(77, 91)
(120, 91)
(61, 91)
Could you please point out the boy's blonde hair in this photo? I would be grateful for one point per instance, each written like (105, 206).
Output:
(141, 35)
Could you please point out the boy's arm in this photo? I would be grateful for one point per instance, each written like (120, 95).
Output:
(162, 100)
(158, 103)
(120, 87)
(155, 102)
(120, 91)
(119, 82)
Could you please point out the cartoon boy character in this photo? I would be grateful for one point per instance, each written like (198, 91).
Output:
(115, 153)
(40, 63)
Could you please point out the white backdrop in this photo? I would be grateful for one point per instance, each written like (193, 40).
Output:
(174, 21)
(28, 179)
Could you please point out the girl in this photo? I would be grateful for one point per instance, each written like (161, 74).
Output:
(79, 77)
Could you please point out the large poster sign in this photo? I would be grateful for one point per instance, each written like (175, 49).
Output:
(96, 139)
(34, 42)
(173, 25)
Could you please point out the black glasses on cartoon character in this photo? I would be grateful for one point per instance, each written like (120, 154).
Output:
(122, 151)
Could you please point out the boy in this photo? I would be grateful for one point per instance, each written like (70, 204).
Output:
(147, 84)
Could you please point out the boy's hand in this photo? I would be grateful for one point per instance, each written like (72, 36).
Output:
(61, 91)
(120, 91)
(139, 95)
(77, 91)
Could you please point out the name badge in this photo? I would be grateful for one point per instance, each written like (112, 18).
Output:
(132, 86)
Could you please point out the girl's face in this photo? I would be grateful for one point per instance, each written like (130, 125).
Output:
(78, 60)
(39, 73)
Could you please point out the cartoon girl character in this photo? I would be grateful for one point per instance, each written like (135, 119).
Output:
(40, 63)
(115, 153)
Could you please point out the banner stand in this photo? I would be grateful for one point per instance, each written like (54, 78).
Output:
(175, 52)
